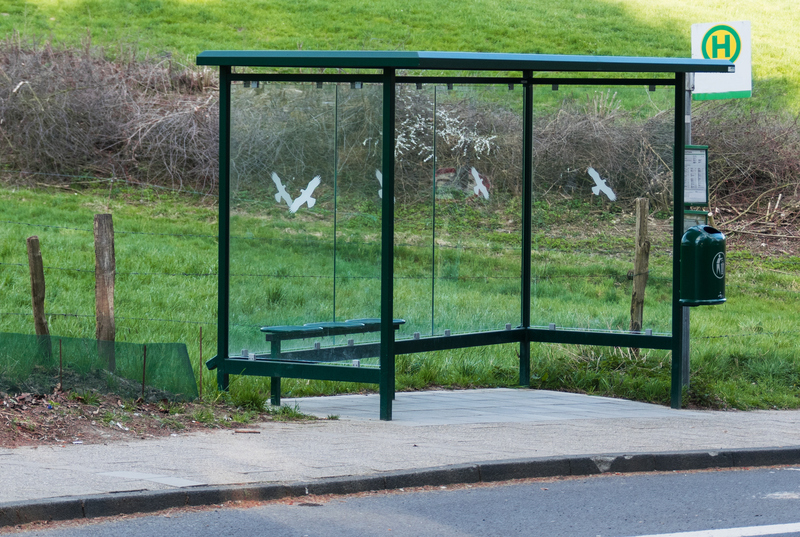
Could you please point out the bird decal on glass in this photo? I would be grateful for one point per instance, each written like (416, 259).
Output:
(480, 188)
(282, 194)
(601, 185)
(305, 196)
(379, 176)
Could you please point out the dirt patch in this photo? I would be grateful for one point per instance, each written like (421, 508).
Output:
(62, 418)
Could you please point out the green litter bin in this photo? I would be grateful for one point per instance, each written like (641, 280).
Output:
(702, 267)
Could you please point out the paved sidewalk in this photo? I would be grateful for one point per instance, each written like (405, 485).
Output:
(429, 429)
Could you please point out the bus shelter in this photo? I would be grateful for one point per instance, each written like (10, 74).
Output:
(332, 165)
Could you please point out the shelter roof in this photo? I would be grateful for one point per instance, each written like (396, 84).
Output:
(459, 61)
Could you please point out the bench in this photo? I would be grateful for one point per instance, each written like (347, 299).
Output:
(277, 334)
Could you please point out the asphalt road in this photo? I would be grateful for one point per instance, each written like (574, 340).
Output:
(734, 503)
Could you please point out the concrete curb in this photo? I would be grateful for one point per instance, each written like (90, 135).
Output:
(99, 505)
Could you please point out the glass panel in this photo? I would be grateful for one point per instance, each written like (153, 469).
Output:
(357, 265)
(305, 215)
(282, 184)
(413, 239)
(478, 177)
(597, 149)
(457, 225)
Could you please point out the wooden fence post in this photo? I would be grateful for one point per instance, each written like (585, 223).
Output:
(641, 265)
(104, 272)
(37, 295)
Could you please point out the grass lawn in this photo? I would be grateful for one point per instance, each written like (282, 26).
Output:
(183, 28)
(743, 352)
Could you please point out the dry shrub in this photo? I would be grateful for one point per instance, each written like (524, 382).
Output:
(632, 154)
(469, 133)
(73, 112)
(750, 152)
(61, 110)
(173, 142)
(148, 120)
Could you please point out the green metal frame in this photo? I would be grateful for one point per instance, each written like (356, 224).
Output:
(524, 67)
(223, 296)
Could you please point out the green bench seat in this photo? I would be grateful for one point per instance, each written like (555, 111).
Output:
(276, 334)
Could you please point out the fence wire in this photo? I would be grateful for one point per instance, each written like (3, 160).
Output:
(748, 334)
(534, 279)
(329, 242)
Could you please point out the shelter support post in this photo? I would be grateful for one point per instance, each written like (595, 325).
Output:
(224, 224)
(386, 385)
(527, 208)
(686, 324)
(223, 379)
(676, 385)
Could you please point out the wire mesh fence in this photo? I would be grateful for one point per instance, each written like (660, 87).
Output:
(41, 364)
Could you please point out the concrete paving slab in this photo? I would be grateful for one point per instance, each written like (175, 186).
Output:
(498, 405)
(130, 475)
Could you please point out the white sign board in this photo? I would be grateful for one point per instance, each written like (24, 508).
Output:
(695, 171)
(723, 41)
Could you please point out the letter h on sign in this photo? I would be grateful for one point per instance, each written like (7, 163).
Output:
(725, 45)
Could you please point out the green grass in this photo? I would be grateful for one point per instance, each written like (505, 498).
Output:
(183, 28)
(743, 352)
(288, 413)
(87, 397)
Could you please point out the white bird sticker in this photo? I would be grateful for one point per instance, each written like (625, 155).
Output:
(305, 196)
(282, 194)
(379, 175)
(601, 185)
(480, 188)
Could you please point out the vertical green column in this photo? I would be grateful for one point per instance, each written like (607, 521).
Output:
(433, 217)
(677, 233)
(335, 192)
(527, 202)
(275, 391)
(223, 277)
(387, 247)
(275, 382)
